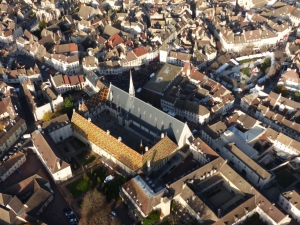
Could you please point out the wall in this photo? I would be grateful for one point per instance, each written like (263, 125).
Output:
(61, 133)
(62, 175)
(51, 106)
(13, 168)
(12, 139)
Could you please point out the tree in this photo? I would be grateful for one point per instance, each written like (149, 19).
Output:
(85, 177)
(47, 116)
(98, 180)
(281, 89)
(91, 184)
(94, 210)
(92, 170)
(42, 25)
(152, 218)
(68, 106)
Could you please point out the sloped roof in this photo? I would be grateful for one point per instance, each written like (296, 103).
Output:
(147, 115)
(112, 146)
(119, 150)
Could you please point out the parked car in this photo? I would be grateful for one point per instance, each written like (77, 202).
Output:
(69, 213)
(113, 213)
(15, 149)
(73, 220)
(18, 171)
(111, 217)
(11, 153)
(43, 67)
(5, 158)
(46, 69)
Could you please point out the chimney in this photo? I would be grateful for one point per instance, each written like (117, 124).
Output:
(107, 132)
(219, 213)
(119, 139)
(148, 166)
(146, 149)
(58, 165)
(162, 135)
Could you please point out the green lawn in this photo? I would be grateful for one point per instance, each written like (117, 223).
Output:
(246, 71)
(89, 160)
(264, 65)
(245, 61)
(78, 188)
(285, 178)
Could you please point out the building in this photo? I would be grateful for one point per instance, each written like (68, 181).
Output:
(95, 105)
(13, 163)
(198, 196)
(290, 79)
(158, 84)
(289, 201)
(65, 83)
(25, 200)
(52, 102)
(11, 133)
(49, 155)
(247, 166)
(58, 128)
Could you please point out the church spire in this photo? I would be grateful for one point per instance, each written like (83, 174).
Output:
(131, 87)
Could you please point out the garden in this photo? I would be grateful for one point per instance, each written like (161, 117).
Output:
(81, 186)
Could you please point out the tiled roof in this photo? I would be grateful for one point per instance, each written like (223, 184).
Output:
(94, 101)
(159, 151)
(119, 150)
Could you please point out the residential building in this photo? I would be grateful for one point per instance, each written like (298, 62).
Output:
(52, 101)
(289, 201)
(47, 152)
(59, 128)
(15, 209)
(13, 163)
(11, 133)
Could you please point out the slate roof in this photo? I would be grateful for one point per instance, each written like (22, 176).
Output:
(146, 115)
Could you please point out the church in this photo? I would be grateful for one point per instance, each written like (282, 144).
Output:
(165, 133)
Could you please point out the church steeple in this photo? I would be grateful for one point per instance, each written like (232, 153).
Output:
(131, 87)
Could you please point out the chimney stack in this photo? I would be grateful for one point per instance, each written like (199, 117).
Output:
(58, 165)
(162, 135)
(119, 139)
(148, 166)
(107, 132)
(146, 149)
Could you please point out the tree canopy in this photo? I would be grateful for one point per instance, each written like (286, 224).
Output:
(94, 210)
(152, 218)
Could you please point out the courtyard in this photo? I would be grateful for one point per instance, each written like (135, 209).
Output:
(131, 139)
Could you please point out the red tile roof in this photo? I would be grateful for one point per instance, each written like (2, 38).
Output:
(140, 51)
(66, 79)
(81, 79)
(74, 80)
(115, 40)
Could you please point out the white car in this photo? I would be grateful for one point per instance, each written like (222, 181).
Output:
(46, 69)
(43, 67)
(5, 158)
(113, 213)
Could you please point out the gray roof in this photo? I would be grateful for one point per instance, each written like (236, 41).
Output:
(92, 77)
(163, 78)
(147, 115)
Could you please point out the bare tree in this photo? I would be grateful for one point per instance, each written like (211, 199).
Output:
(95, 210)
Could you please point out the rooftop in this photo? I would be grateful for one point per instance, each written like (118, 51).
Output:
(163, 78)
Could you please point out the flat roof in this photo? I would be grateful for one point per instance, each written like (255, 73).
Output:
(162, 79)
